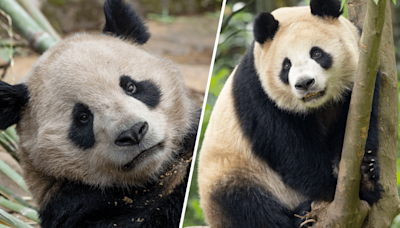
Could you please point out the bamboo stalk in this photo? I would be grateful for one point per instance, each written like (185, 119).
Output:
(39, 17)
(12, 133)
(4, 226)
(9, 139)
(12, 220)
(13, 197)
(4, 143)
(26, 26)
(13, 175)
(3, 223)
(25, 211)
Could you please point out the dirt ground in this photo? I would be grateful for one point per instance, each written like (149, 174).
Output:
(188, 42)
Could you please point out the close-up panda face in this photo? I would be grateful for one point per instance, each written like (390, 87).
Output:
(317, 65)
(96, 119)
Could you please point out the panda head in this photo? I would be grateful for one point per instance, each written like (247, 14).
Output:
(99, 109)
(306, 57)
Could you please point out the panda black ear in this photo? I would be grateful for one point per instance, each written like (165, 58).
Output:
(12, 100)
(265, 27)
(123, 21)
(326, 8)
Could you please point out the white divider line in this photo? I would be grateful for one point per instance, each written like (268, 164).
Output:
(202, 114)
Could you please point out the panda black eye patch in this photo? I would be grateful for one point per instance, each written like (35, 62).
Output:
(81, 129)
(145, 91)
(321, 57)
(284, 75)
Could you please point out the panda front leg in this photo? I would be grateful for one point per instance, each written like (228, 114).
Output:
(249, 207)
(370, 189)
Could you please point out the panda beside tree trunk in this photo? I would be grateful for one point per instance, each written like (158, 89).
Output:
(285, 106)
(383, 212)
(106, 129)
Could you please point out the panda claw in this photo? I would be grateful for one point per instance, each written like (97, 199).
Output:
(372, 160)
(370, 152)
(371, 164)
(372, 169)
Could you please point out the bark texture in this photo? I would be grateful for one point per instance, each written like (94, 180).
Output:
(356, 10)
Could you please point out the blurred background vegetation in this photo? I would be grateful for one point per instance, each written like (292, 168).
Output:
(236, 36)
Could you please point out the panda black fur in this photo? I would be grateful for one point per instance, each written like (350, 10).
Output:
(107, 130)
(273, 144)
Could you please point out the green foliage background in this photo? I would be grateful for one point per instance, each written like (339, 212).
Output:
(234, 39)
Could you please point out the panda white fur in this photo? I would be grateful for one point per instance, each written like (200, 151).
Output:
(275, 136)
(106, 129)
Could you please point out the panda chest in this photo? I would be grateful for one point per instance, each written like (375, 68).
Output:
(283, 139)
(330, 118)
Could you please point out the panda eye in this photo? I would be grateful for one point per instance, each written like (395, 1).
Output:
(84, 118)
(131, 88)
(316, 55)
(287, 65)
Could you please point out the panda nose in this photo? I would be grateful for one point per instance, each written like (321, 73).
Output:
(304, 84)
(132, 136)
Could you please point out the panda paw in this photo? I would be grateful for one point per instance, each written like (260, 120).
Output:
(370, 170)
(300, 212)
(370, 189)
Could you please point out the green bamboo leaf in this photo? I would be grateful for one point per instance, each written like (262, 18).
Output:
(13, 175)
(4, 226)
(343, 4)
(13, 220)
(398, 176)
(376, 1)
(394, 1)
(25, 211)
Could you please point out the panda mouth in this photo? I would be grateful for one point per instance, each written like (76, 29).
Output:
(141, 156)
(313, 96)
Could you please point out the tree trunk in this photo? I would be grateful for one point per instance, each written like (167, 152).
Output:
(356, 10)
(347, 210)
(383, 213)
(397, 28)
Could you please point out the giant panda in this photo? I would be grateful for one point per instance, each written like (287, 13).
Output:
(274, 140)
(106, 129)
